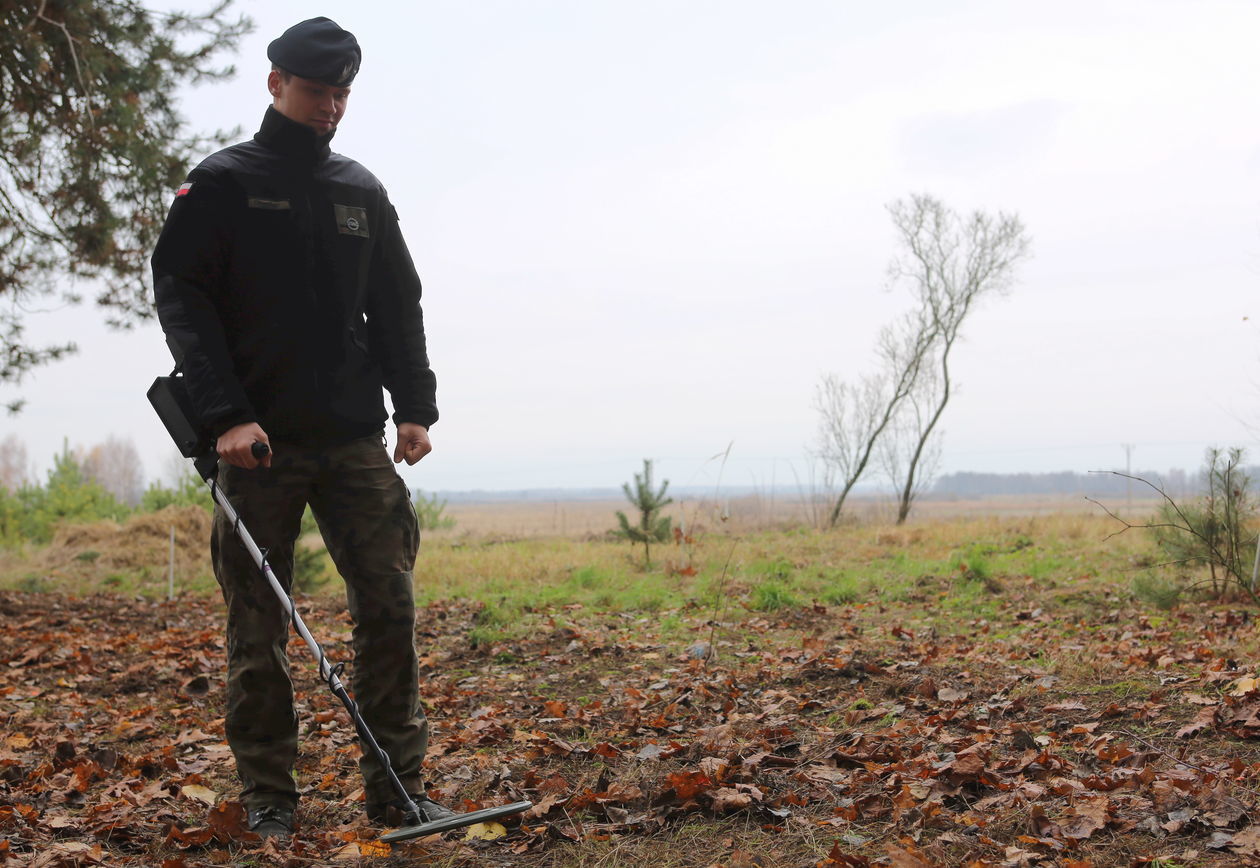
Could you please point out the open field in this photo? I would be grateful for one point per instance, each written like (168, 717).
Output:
(754, 512)
(1010, 689)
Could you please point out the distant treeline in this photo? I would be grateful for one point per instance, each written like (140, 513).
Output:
(1175, 482)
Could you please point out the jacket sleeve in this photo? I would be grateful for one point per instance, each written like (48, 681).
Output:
(189, 267)
(395, 324)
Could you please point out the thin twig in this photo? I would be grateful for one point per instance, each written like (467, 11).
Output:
(1215, 556)
(74, 56)
(1180, 761)
(717, 603)
(43, 4)
(1129, 525)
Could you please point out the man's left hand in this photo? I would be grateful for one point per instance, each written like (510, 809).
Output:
(413, 443)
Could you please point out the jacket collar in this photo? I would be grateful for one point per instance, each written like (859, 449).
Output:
(292, 139)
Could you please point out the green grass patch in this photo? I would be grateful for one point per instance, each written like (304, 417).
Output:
(771, 597)
(776, 570)
(841, 590)
(1158, 590)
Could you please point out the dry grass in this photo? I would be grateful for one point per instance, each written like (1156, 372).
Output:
(584, 518)
(1026, 602)
(135, 554)
(531, 547)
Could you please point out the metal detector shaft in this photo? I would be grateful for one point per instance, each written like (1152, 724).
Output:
(327, 672)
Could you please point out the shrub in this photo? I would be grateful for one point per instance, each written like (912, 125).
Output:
(651, 526)
(32, 512)
(190, 490)
(587, 578)
(1160, 591)
(431, 512)
(1213, 530)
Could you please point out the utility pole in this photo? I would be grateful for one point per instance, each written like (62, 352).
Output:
(1128, 475)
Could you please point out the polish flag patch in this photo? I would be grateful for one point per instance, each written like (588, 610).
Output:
(183, 189)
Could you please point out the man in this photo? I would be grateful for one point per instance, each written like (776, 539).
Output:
(282, 276)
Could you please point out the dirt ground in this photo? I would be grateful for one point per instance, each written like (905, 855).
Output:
(1064, 726)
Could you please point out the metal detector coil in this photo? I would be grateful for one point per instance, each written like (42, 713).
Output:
(485, 815)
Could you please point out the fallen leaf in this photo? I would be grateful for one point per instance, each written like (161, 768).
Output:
(1073, 705)
(968, 763)
(726, 800)
(228, 821)
(900, 858)
(1247, 841)
(688, 784)
(1245, 685)
(67, 853)
(540, 810)
(374, 848)
(485, 832)
(618, 792)
(838, 857)
(1205, 718)
(1221, 809)
(200, 794)
(714, 767)
(1016, 856)
(1086, 818)
(197, 836)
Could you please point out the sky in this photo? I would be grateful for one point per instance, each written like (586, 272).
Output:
(647, 229)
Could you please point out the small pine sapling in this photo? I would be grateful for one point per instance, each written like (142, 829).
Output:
(651, 526)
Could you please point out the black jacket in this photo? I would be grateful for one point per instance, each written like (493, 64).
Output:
(282, 275)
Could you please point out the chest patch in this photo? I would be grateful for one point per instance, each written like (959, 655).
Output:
(269, 204)
(351, 220)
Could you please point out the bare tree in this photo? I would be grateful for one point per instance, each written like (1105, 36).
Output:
(950, 263)
(14, 463)
(900, 443)
(849, 422)
(116, 466)
(176, 468)
(853, 417)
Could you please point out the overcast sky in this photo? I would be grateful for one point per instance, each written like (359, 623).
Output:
(646, 229)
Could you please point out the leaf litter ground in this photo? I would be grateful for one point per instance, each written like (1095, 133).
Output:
(1066, 727)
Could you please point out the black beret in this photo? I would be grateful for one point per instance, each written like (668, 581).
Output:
(319, 50)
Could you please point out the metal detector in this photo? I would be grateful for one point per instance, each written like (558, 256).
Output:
(169, 398)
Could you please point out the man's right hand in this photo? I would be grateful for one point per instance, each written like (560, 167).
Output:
(235, 444)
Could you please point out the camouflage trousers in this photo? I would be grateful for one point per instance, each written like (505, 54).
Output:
(365, 515)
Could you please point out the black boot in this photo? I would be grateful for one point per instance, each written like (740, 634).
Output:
(391, 813)
(271, 821)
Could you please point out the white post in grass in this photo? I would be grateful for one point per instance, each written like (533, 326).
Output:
(170, 576)
(1255, 567)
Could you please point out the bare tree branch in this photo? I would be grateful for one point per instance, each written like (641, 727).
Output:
(1216, 527)
(950, 264)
